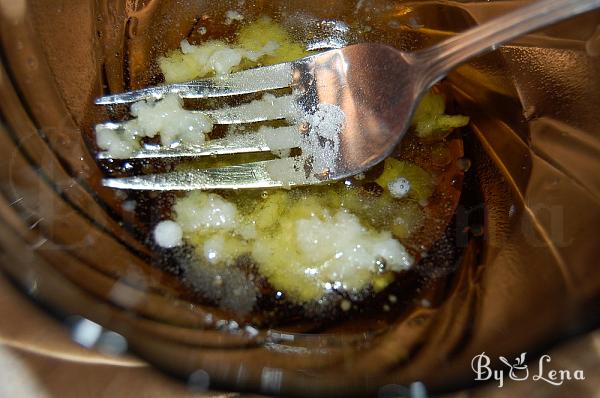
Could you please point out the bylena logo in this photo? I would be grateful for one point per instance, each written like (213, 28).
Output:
(519, 370)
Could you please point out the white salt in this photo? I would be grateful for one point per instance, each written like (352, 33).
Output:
(322, 143)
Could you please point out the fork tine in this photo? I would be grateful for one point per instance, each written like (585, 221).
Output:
(244, 82)
(249, 175)
(264, 140)
(281, 108)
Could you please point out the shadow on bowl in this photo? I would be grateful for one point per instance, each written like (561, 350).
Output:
(522, 276)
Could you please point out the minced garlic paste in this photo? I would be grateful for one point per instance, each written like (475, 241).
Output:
(262, 42)
(304, 244)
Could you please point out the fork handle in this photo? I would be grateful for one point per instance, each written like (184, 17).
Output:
(438, 60)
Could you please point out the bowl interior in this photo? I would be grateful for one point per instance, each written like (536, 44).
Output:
(533, 148)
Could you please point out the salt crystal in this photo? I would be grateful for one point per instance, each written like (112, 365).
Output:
(322, 142)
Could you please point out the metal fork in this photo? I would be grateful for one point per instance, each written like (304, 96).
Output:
(375, 86)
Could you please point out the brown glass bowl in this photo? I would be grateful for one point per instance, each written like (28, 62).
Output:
(524, 234)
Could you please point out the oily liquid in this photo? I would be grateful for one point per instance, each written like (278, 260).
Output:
(434, 245)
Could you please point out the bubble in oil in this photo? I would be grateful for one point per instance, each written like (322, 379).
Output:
(440, 155)
(415, 23)
(463, 164)
(345, 305)
(394, 24)
(132, 25)
(199, 381)
(218, 281)
(129, 206)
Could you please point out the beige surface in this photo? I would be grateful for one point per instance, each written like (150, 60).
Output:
(38, 360)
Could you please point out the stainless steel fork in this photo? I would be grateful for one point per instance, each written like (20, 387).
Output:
(375, 87)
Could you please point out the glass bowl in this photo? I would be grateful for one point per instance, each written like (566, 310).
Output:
(522, 275)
